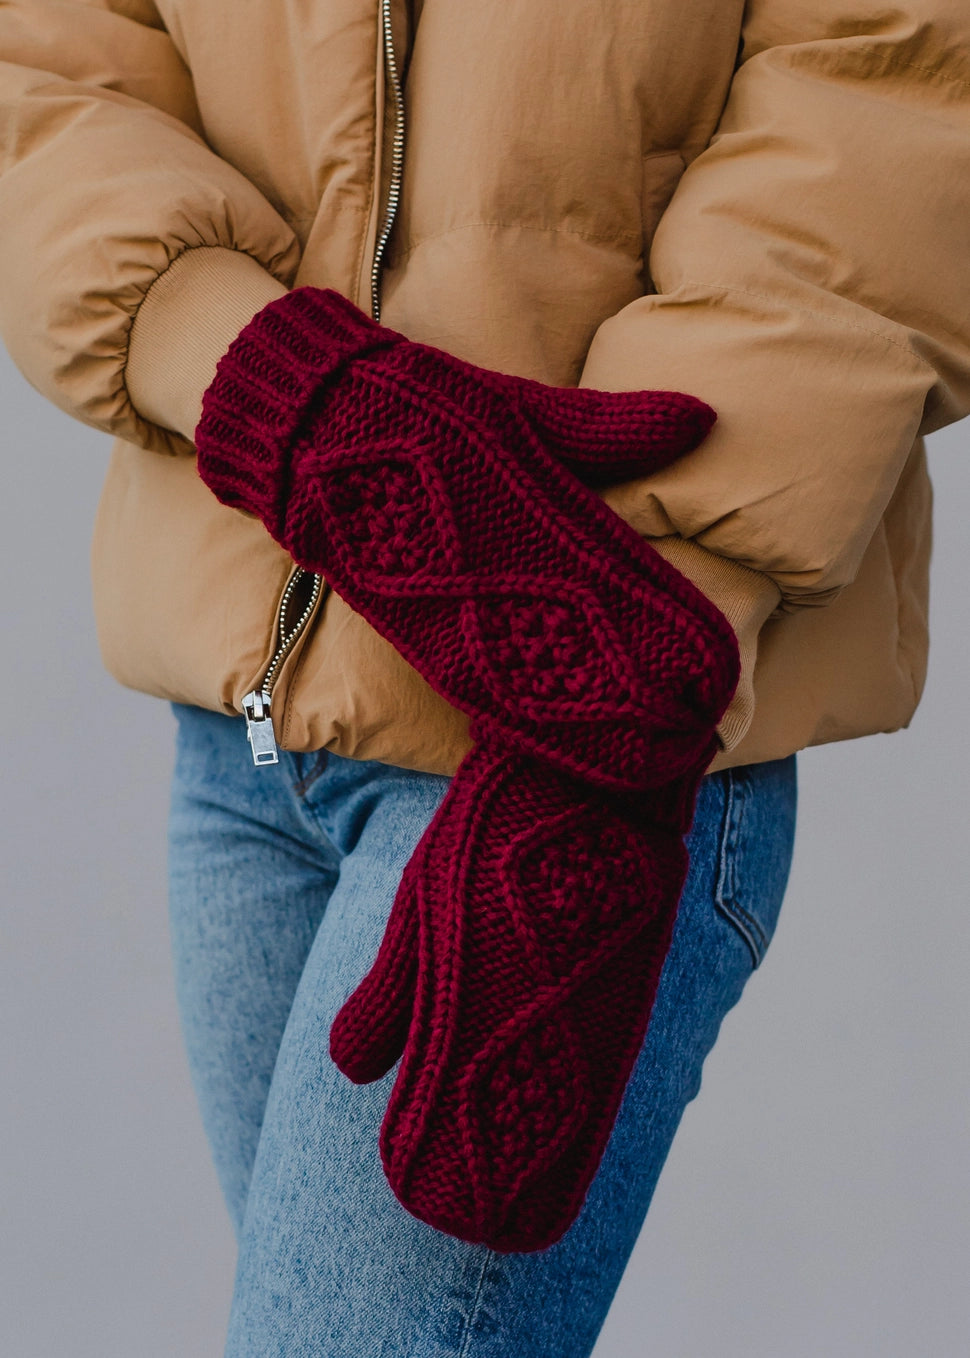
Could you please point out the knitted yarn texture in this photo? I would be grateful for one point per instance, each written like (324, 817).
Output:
(452, 507)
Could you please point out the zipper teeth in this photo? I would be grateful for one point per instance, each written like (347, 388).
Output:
(287, 639)
(397, 159)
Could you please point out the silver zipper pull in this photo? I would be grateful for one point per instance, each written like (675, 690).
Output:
(259, 727)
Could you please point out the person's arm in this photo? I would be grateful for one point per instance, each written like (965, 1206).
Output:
(812, 277)
(107, 184)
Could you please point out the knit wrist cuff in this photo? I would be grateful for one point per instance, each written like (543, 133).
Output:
(264, 383)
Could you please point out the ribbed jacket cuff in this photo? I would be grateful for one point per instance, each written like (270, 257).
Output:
(186, 321)
(263, 386)
(747, 598)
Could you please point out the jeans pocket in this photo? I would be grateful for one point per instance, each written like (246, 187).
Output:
(757, 839)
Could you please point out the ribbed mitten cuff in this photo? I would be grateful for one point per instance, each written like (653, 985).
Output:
(264, 383)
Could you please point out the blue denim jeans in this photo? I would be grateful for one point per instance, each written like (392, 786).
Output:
(282, 878)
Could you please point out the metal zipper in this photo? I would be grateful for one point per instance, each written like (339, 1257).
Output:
(397, 159)
(257, 704)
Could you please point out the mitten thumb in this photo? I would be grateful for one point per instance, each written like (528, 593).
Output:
(369, 1033)
(608, 436)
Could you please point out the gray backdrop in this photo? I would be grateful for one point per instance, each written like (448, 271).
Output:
(817, 1200)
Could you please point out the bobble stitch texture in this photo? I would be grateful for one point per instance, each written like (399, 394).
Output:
(454, 509)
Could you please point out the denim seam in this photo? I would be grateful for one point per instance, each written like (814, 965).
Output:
(476, 1302)
(725, 896)
(742, 917)
(316, 812)
(317, 769)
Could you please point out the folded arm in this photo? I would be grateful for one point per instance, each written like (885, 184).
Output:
(105, 180)
(813, 285)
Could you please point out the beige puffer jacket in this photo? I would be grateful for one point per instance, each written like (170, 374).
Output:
(763, 204)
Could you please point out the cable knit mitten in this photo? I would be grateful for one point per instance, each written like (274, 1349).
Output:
(537, 915)
(525, 945)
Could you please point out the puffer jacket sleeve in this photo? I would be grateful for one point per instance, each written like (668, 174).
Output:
(812, 277)
(105, 180)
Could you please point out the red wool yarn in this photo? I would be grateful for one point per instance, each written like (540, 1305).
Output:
(452, 508)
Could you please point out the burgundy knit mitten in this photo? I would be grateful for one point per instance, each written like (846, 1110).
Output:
(516, 976)
(529, 930)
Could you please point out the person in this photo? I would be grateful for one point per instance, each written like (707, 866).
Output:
(756, 205)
